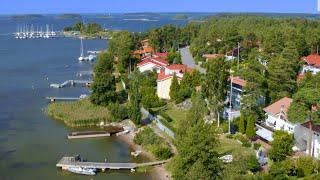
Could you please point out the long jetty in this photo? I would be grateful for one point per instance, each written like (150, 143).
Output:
(53, 99)
(88, 134)
(85, 73)
(67, 162)
(72, 83)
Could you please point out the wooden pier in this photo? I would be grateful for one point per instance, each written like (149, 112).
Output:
(85, 73)
(53, 99)
(72, 83)
(67, 162)
(88, 134)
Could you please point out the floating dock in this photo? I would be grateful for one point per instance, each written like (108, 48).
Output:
(72, 83)
(53, 99)
(67, 162)
(85, 73)
(88, 134)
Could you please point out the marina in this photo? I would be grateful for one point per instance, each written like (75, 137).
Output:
(29, 32)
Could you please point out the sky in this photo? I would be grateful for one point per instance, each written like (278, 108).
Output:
(119, 6)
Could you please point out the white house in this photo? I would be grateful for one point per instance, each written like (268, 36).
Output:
(165, 77)
(238, 85)
(152, 63)
(302, 136)
(311, 64)
(276, 119)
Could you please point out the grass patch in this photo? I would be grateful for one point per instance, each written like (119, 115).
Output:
(79, 113)
(231, 146)
(176, 115)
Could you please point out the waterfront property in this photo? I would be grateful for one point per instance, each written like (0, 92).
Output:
(165, 77)
(152, 63)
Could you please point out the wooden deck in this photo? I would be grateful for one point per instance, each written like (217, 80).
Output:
(88, 134)
(66, 162)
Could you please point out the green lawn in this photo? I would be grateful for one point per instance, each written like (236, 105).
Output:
(176, 115)
(231, 146)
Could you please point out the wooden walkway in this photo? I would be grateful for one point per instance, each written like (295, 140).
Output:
(66, 162)
(53, 99)
(72, 83)
(88, 134)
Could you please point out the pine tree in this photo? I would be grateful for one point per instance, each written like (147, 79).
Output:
(250, 127)
(242, 124)
(135, 98)
(174, 88)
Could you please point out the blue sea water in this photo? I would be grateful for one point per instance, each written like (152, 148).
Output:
(30, 142)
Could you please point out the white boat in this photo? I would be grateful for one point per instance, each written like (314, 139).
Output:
(81, 170)
(81, 58)
(92, 57)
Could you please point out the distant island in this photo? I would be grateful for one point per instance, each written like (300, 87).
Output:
(181, 17)
(27, 16)
(69, 16)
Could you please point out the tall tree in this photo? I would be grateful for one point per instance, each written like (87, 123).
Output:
(197, 158)
(256, 86)
(250, 132)
(215, 84)
(242, 124)
(135, 97)
(175, 89)
(281, 146)
(104, 85)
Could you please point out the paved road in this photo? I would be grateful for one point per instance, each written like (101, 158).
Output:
(188, 60)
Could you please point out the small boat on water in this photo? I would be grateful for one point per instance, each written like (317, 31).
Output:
(81, 57)
(81, 170)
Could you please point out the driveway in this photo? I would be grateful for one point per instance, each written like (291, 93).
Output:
(188, 60)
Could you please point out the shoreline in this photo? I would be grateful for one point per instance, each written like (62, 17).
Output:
(158, 172)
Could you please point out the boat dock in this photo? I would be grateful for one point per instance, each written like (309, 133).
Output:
(72, 83)
(85, 73)
(67, 162)
(88, 134)
(53, 99)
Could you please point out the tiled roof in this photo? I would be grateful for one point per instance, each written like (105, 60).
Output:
(179, 67)
(162, 76)
(237, 80)
(156, 61)
(276, 107)
(161, 55)
(312, 59)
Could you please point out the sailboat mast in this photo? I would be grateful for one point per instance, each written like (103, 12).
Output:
(81, 47)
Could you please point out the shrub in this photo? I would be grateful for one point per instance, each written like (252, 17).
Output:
(117, 111)
(153, 143)
(256, 146)
(161, 152)
(165, 116)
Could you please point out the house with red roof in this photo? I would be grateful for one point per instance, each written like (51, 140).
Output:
(152, 63)
(311, 64)
(276, 119)
(165, 77)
